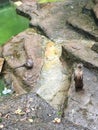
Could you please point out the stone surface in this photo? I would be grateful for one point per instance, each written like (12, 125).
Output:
(95, 1)
(49, 76)
(89, 5)
(86, 24)
(83, 106)
(81, 51)
(53, 70)
(51, 19)
(16, 52)
(35, 108)
(54, 81)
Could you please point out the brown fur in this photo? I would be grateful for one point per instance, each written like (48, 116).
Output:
(78, 77)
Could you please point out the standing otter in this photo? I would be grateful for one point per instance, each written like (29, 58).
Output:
(78, 77)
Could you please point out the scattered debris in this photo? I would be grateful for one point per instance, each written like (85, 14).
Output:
(57, 120)
(1, 126)
(19, 112)
(6, 91)
(30, 120)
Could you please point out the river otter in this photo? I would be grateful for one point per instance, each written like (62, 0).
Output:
(78, 77)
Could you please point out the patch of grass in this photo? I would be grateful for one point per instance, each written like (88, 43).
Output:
(11, 23)
(59, 113)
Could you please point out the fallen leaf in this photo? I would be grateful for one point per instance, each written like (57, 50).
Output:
(7, 116)
(1, 126)
(23, 119)
(19, 112)
(57, 120)
(30, 120)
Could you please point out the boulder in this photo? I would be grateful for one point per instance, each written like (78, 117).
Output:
(50, 20)
(85, 24)
(48, 77)
(80, 51)
(16, 52)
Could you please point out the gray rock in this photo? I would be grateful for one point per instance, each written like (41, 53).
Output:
(26, 45)
(51, 19)
(35, 108)
(82, 106)
(80, 51)
(85, 24)
(95, 47)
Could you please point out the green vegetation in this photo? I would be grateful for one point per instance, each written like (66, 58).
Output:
(10, 23)
(0, 120)
(59, 113)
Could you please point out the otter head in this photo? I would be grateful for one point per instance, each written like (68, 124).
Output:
(80, 66)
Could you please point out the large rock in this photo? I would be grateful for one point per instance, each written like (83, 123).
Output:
(49, 76)
(16, 52)
(84, 23)
(51, 19)
(54, 79)
(81, 51)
